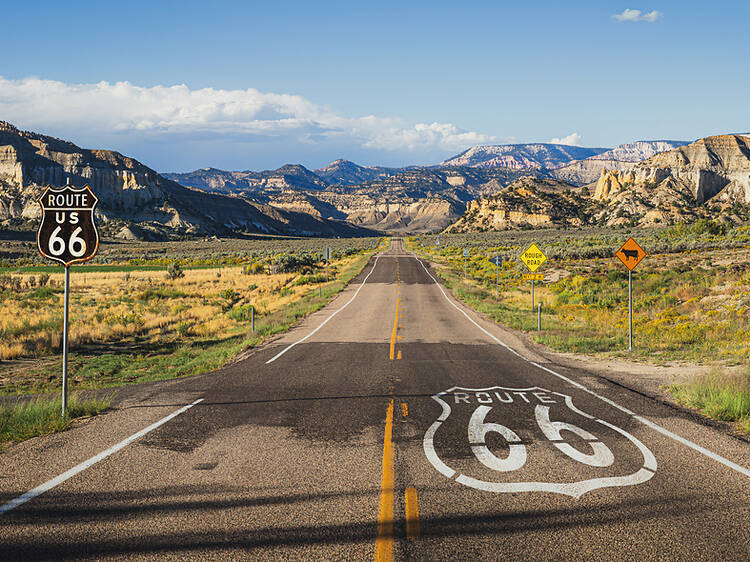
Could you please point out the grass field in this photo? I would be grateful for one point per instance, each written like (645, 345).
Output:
(691, 293)
(137, 324)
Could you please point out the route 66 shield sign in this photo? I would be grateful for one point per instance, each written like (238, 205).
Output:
(500, 439)
(67, 233)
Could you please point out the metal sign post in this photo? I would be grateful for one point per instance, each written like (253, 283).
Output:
(66, 306)
(630, 310)
(68, 235)
(539, 319)
(498, 261)
(466, 256)
(328, 259)
(630, 254)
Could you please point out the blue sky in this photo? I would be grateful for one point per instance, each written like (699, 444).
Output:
(253, 85)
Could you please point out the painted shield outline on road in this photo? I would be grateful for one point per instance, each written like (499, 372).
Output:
(573, 489)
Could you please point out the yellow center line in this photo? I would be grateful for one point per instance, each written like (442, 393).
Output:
(412, 514)
(395, 328)
(384, 541)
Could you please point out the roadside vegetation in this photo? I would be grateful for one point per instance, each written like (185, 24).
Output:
(25, 419)
(691, 293)
(133, 323)
(719, 395)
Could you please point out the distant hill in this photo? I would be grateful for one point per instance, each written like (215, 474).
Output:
(638, 151)
(344, 172)
(291, 176)
(622, 158)
(133, 197)
(518, 156)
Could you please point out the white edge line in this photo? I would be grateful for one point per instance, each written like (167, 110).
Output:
(648, 423)
(31, 494)
(291, 345)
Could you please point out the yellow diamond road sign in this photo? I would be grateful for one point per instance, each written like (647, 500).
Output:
(533, 257)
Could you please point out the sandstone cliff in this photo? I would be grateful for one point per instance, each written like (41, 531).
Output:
(711, 168)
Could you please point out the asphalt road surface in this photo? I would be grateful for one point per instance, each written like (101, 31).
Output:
(394, 423)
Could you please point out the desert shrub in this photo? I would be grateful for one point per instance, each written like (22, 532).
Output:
(42, 293)
(241, 313)
(254, 268)
(310, 279)
(289, 263)
(231, 297)
(708, 226)
(174, 271)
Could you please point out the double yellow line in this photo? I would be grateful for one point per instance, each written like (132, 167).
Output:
(384, 541)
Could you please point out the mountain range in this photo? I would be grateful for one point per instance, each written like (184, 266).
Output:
(537, 184)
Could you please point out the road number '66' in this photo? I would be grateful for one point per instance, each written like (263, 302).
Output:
(76, 244)
(478, 430)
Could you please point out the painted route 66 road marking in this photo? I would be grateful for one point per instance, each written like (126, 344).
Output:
(546, 409)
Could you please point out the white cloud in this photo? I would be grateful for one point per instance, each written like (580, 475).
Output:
(573, 139)
(178, 111)
(636, 15)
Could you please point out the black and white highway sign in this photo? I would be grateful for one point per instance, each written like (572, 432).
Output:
(67, 233)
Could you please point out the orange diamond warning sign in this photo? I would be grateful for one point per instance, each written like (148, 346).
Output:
(631, 254)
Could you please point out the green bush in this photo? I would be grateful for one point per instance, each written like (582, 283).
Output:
(241, 313)
(174, 271)
(290, 263)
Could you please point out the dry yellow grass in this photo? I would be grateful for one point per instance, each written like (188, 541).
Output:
(117, 307)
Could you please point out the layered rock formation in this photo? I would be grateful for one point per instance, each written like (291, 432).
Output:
(713, 167)
(529, 201)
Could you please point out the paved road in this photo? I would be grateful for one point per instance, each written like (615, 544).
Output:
(393, 423)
